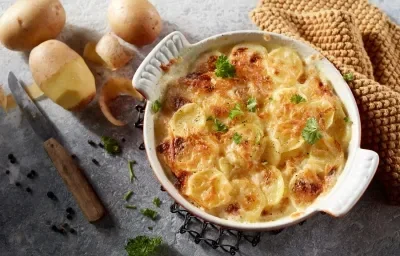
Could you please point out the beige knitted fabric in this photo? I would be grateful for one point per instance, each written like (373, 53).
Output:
(356, 37)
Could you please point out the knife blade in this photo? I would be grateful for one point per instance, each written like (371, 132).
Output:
(39, 123)
(73, 176)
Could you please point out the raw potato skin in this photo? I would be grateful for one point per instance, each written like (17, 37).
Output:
(112, 52)
(135, 21)
(28, 23)
(49, 59)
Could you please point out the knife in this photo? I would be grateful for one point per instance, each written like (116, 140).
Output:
(72, 175)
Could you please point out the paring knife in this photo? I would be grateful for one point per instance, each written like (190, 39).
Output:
(73, 177)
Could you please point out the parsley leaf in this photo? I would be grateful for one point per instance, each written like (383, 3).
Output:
(236, 111)
(149, 213)
(296, 98)
(128, 195)
(251, 104)
(348, 77)
(237, 138)
(143, 246)
(157, 201)
(347, 120)
(310, 132)
(156, 106)
(218, 125)
(223, 68)
(131, 172)
(110, 145)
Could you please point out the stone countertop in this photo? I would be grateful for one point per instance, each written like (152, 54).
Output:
(371, 228)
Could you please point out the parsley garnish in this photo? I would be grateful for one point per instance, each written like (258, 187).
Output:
(131, 172)
(128, 195)
(237, 138)
(348, 77)
(128, 206)
(296, 98)
(347, 120)
(149, 213)
(236, 111)
(157, 201)
(223, 68)
(156, 106)
(310, 132)
(143, 246)
(218, 125)
(251, 104)
(110, 145)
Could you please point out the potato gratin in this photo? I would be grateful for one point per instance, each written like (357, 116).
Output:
(251, 133)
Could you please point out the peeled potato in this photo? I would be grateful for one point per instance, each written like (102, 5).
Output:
(135, 21)
(62, 75)
(110, 91)
(89, 53)
(28, 23)
(112, 52)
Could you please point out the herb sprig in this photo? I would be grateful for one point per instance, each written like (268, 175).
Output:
(237, 138)
(311, 133)
(111, 145)
(218, 125)
(149, 213)
(143, 246)
(223, 68)
(296, 98)
(348, 77)
(236, 111)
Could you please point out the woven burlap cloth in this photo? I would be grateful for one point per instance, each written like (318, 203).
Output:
(356, 37)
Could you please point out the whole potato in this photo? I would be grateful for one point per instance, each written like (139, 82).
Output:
(135, 21)
(62, 75)
(27, 23)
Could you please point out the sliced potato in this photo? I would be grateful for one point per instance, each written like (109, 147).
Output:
(284, 66)
(209, 188)
(273, 185)
(113, 88)
(189, 119)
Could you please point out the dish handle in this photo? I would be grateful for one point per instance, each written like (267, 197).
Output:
(355, 183)
(149, 72)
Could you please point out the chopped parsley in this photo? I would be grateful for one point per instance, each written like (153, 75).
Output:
(128, 206)
(128, 195)
(310, 132)
(157, 201)
(296, 98)
(347, 120)
(143, 246)
(149, 213)
(348, 77)
(150, 228)
(223, 68)
(251, 104)
(110, 145)
(236, 111)
(131, 171)
(218, 125)
(237, 138)
(156, 106)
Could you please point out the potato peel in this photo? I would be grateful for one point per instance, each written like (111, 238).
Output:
(111, 90)
(90, 54)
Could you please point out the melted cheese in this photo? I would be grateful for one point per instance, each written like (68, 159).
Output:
(256, 165)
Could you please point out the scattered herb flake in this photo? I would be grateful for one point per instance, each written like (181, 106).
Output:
(310, 132)
(156, 106)
(348, 77)
(131, 172)
(219, 126)
(251, 104)
(296, 98)
(128, 195)
(143, 246)
(157, 201)
(347, 120)
(150, 228)
(237, 138)
(128, 206)
(149, 213)
(236, 111)
(223, 68)
(111, 145)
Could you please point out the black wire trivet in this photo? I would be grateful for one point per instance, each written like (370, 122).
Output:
(202, 231)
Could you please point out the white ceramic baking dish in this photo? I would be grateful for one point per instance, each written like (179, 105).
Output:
(361, 164)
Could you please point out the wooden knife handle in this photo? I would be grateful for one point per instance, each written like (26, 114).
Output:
(75, 180)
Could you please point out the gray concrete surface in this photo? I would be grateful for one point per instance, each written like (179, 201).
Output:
(371, 228)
